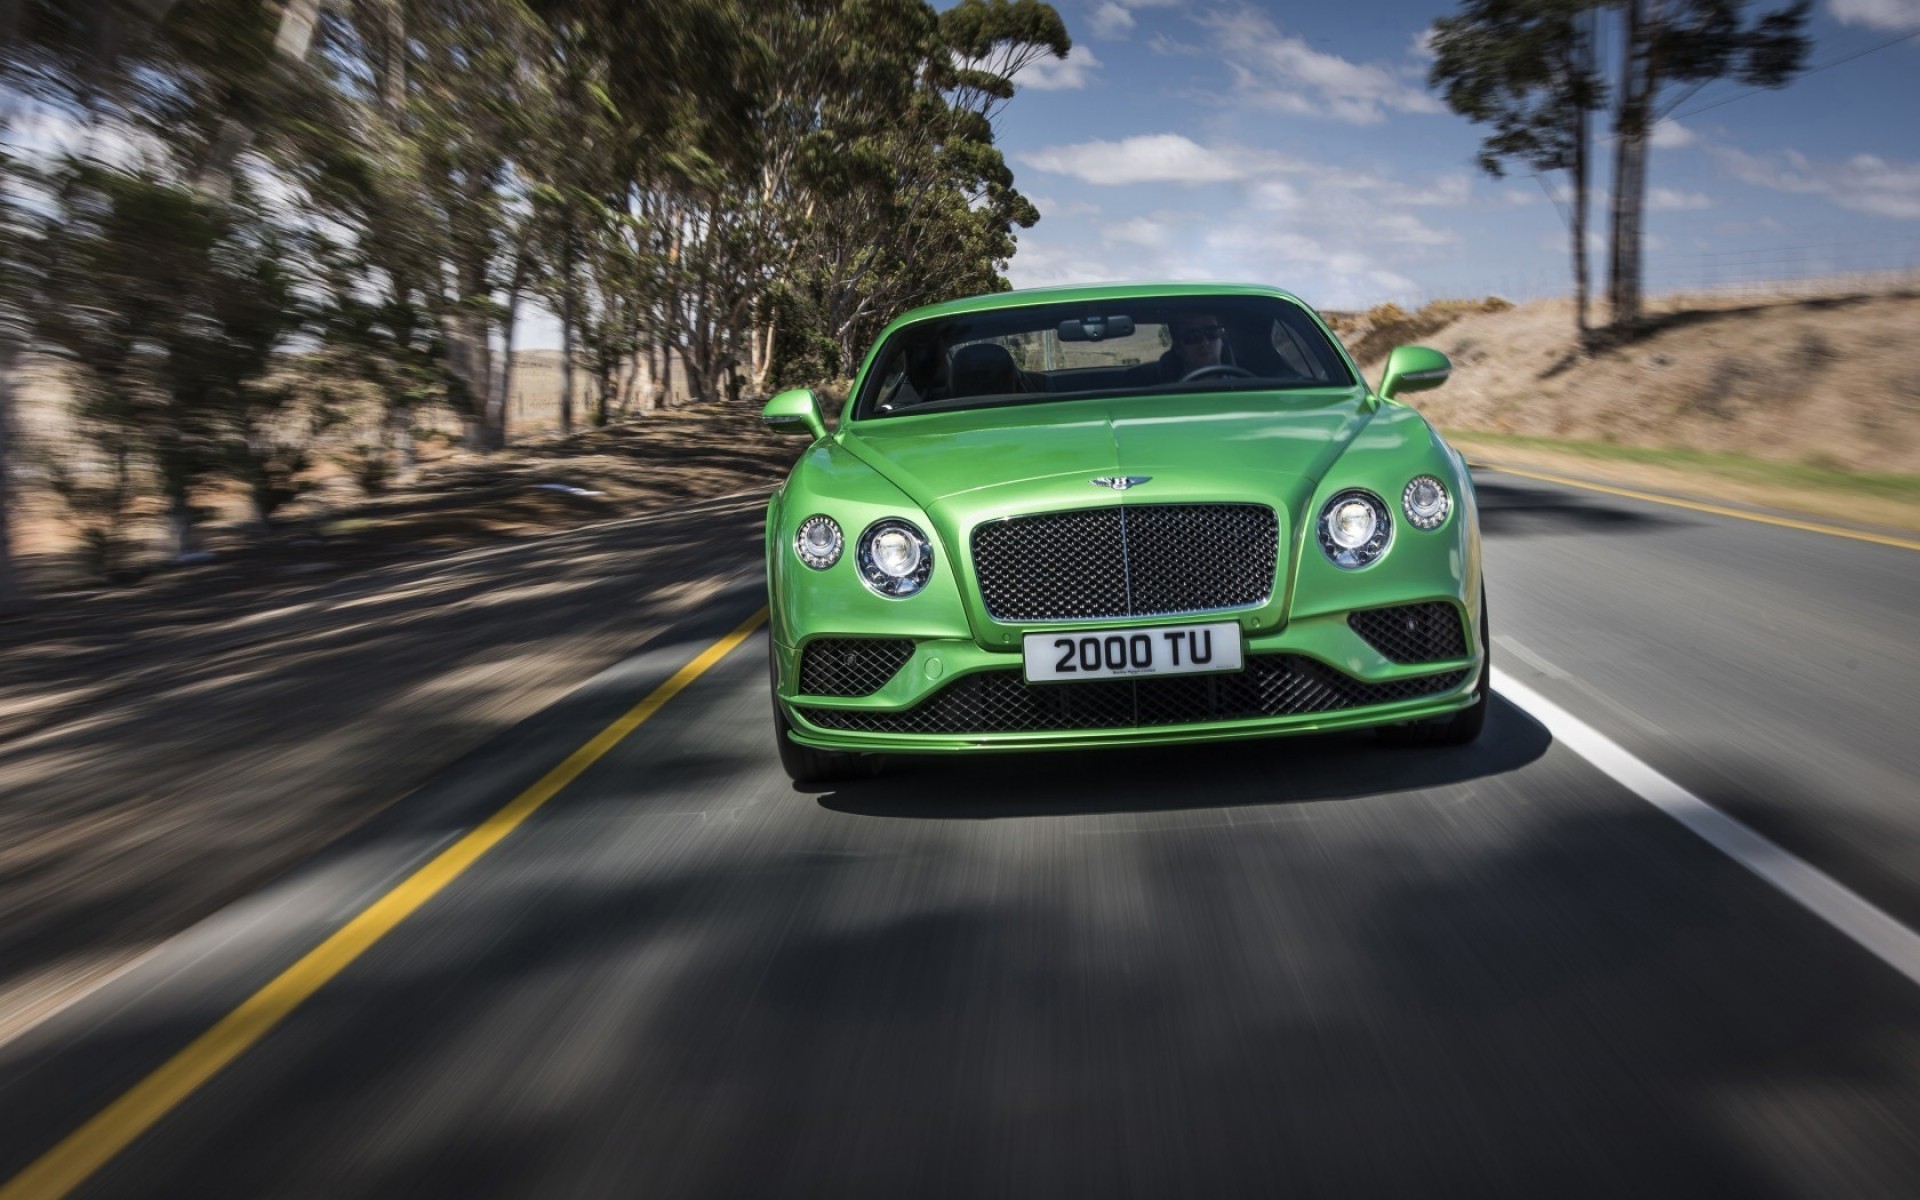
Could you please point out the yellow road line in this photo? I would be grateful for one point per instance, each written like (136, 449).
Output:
(1718, 510)
(91, 1146)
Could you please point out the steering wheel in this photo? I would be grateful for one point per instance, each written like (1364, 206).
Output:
(1227, 370)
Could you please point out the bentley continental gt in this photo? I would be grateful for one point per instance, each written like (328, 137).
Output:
(1097, 516)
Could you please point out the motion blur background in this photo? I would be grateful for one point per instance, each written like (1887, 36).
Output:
(374, 372)
(264, 260)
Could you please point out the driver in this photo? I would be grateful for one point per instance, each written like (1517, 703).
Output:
(1199, 340)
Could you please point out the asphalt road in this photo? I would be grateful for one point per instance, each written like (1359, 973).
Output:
(1301, 967)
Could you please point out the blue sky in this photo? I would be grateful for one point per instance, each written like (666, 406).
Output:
(1299, 145)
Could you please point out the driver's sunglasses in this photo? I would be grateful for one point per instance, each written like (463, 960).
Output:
(1201, 333)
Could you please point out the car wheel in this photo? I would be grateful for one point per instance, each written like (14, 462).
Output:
(804, 764)
(1454, 729)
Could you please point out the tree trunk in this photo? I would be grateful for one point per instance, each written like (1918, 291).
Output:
(1629, 170)
(629, 384)
(1583, 52)
(663, 385)
(602, 392)
(761, 366)
(400, 441)
(214, 178)
(643, 376)
(467, 358)
(12, 595)
(566, 332)
(496, 423)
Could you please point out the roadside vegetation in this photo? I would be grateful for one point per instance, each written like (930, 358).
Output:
(1534, 72)
(255, 245)
(1790, 402)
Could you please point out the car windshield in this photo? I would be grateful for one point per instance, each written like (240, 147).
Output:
(1086, 349)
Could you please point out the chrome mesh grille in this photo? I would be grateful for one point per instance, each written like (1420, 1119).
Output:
(851, 666)
(1127, 561)
(1273, 685)
(1412, 633)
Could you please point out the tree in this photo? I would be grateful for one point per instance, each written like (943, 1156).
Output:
(169, 309)
(1526, 67)
(1668, 43)
(14, 289)
(898, 196)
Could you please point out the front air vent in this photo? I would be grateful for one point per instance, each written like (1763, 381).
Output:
(1413, 633)
(851, 666)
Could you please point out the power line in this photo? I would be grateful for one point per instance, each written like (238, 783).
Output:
(1827, 66)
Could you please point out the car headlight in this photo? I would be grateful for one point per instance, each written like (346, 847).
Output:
(896, 560)
(1426, 502)
(1355, 528)
(818, 541)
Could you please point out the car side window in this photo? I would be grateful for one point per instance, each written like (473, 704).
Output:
(1303, 353)
(1292, 353)
(897, 390)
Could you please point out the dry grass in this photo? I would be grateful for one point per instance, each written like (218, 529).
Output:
(48, 542)
(1823, 382)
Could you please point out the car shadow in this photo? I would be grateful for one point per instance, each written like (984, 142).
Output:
(1510, 509)
(1264, 773)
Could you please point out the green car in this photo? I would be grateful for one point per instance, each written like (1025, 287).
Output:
(1113, 516)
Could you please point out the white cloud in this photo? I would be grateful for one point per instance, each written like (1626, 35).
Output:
(1323, 270)
(1274, 195)
(1864, 183)
(1151, 232)
(1050, 207)
(1518, 197)
(1036, 265)
(1050, 74)
(1672, 135)
(1148, 158)
(1273, 70)
(1421, 47)
(1896, 16)
(1111, 21)
(1405, 229)
(1662, 199)
(1448, 191)
(1114, 18)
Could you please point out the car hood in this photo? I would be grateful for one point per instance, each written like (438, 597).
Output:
(1263, 442)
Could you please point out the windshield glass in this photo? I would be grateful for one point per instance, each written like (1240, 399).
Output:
(1100, 348)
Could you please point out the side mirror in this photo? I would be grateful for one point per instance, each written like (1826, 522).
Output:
(1414, 369)
(794, 411)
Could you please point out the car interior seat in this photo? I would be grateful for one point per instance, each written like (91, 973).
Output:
(984, 369)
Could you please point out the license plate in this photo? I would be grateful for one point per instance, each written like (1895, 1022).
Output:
(1128, 653)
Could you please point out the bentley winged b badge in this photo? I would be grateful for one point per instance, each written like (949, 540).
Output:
(1120, 483)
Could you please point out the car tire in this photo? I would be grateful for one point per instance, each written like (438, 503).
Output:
(805, 764)
(1454, 729)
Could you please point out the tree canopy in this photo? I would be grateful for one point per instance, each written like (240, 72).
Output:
(741, 191)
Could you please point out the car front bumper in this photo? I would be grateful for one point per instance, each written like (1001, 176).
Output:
(951, 695)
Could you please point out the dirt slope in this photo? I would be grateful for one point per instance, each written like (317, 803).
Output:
(1823, 382)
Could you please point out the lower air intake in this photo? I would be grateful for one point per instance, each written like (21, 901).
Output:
(851, 666)
(1413, 633)
(1273, 685)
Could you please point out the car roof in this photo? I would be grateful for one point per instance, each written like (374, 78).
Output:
(997, 301)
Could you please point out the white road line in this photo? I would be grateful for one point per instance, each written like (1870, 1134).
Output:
(1827, 898)
(1528, 657)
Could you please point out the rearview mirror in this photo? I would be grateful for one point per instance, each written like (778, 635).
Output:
(794, 411)
(1414, 369)
(1095, 329)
